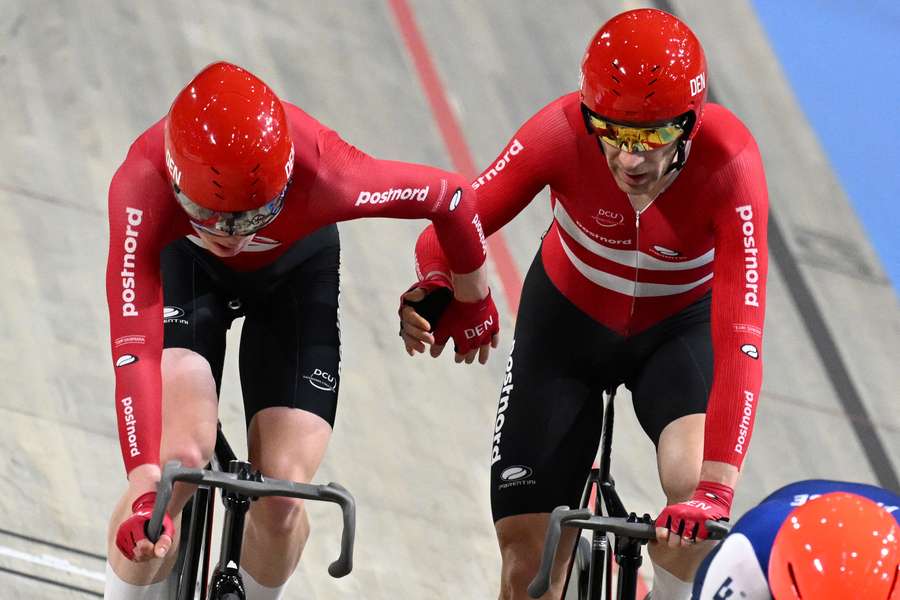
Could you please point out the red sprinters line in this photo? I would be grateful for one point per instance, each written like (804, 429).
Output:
(510, 278)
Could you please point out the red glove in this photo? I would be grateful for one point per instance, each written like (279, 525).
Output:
(133, 529)
(711, 502)
(470, 324)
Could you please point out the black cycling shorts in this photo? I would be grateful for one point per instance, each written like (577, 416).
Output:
(290, 342)
(549, 417)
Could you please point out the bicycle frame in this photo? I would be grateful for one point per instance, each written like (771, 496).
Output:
(198, 515)
(607, 503)
(608, 515)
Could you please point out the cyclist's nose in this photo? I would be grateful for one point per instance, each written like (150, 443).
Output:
(630, 160)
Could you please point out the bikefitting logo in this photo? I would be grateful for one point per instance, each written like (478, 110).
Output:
(173, 314)
(515, 476)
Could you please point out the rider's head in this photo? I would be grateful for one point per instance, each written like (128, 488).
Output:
(229, 153)
(643, 89)
(838, 545)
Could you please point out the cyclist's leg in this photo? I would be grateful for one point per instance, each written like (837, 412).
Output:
(670, 395)
(290, 355)
(191, 366)
(546, 432)
(285, 443)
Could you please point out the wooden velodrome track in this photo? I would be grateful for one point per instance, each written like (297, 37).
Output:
(81, 80)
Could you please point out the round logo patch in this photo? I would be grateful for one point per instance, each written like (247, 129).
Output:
(172, 312)
(516, 472)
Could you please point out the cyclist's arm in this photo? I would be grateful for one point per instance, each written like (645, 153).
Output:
(134, 295)
(540, 148)
(738, 310)
(351, 185)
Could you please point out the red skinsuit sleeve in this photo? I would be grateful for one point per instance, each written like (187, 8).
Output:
(738, 307)
(352, 185)
(538, 149)
(134, 294)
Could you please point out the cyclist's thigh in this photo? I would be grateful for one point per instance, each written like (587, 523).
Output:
(290, 360)
(670, 396)
(548, 419)
(288, 443)
(195, 321)
(675, 380)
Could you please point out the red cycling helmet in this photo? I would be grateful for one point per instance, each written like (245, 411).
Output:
(836, 546)
(228, 150)
(645, 67)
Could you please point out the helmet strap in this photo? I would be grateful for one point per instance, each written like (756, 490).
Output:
(680, 156)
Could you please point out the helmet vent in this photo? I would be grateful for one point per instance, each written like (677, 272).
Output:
(253, 170)
(214, 170)
(217, 184)
(654, 80)
(614, 78)
(255, 181)
(617, 66)
(794, 580)
(655, 69)
(219, 196)
(648, 95)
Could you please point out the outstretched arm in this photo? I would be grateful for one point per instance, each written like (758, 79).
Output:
(538, 151)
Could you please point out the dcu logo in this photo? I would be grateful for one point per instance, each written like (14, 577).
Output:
(322, 380)
(608, 218)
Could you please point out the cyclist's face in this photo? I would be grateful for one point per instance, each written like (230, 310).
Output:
(223, 246)
(639, 172)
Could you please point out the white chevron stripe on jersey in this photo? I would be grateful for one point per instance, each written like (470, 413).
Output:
(625, 257)
(639, 289)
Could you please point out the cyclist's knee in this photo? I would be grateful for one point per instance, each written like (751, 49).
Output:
(521, 540)
(189, 453)
(180, 365)
(679, 482)
(280, 516)
(680, 455)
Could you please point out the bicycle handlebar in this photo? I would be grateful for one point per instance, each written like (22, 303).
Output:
(331, 492)
(584, 518)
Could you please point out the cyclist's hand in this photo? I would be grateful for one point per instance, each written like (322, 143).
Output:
(420, 311)
(474, 327)
(131, 537)
(686, 521)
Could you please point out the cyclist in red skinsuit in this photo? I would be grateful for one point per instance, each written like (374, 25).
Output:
(215, 243)
(648, 223)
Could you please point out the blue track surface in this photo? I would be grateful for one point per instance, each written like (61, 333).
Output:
(843, 62)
